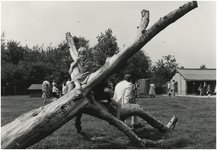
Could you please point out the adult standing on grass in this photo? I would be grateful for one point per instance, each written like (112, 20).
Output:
(200, 88)
(173, 87)
(169, 88)
(152, 90)
(123, 94)
(45, 90)
(53, 89)
(64, 88)
(208, 91)
(204, 89)
(193, 89)
(69, 85)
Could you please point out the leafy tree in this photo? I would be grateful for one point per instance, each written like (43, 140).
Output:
(138, 65)
(7, 71)
(106, 47)
(13, 52)
(34, 65)
(81, 42)
(164, 69)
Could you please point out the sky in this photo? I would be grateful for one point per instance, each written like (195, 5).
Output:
(191, 39)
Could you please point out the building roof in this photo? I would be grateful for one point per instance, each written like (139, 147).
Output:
(35, 87)
(198, 74)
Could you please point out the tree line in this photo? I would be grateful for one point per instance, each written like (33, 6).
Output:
(22, 65)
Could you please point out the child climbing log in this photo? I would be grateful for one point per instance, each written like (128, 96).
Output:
(37, 124)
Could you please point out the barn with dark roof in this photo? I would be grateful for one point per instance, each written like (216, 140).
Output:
(35, 90)
(184, 79)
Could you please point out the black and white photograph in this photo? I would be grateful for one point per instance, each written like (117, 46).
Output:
(108, 74)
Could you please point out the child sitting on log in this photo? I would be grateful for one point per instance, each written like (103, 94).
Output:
(84, 65)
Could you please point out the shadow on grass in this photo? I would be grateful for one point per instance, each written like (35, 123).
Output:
(155, 135)
(110, 145)
(85, 136)
(145, 133)
(180, 142)
(149, 133)
(104, 142)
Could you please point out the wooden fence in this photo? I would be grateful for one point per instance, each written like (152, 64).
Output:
(14, 90)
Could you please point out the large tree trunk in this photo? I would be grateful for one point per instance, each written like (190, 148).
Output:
(37, 124)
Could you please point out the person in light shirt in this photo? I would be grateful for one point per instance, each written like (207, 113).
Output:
(123, 93)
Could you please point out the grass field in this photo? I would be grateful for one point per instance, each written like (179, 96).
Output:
(196, 128)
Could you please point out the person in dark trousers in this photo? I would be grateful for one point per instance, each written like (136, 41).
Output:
(204, 89)
(193, 89)
(173, 88)
(200, 89)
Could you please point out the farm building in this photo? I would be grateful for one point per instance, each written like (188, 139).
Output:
(184, 79)
(35, 90)
(143, 86)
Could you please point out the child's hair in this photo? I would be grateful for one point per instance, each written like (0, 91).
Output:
(84, 50)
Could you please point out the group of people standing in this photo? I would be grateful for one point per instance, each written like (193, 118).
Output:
(52, 90)
(203, 90)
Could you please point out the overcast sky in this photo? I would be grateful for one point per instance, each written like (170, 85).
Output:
(191, 39)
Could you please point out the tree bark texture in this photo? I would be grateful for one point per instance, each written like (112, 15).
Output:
(73, 52)
(37, 124)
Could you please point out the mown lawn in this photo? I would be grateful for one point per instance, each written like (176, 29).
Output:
(196, 128)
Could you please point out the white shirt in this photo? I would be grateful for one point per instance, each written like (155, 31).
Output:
(123, 92)
(67, 83)
(152, 85)
(55, 89)
(169, 85)
(64, 89)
